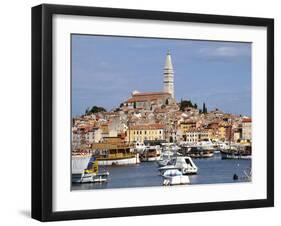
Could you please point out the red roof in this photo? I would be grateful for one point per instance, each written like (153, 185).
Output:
(247, 120)
(147, 126)
(147, 96)
(151, 93)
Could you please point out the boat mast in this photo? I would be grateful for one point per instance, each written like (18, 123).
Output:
(230, 134)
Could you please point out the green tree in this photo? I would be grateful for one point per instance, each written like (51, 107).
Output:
(204, 108)
(195, 106)
(95, 109)
(184, 104)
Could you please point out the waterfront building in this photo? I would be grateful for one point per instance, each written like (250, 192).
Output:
(222, 133)
(237, 135)
(194, 135)
(247, 129)
(143, 132)
(225, 132)
(186, 126)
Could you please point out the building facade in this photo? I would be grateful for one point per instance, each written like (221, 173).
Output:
(247, 129)
(195, 135)
(140, 133)
(148, 100)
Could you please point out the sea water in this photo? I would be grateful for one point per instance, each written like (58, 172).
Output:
(146, 174)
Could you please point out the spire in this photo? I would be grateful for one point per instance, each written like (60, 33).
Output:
(169, 75)
(168, 63)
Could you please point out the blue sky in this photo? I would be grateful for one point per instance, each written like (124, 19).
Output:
(106, 69)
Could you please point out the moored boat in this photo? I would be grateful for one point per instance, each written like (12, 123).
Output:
(182, 163)
(90, 174)
(151, 153)
(199, 152)
(79, 162)
(113, 151)
(236, 153)
(174, 177)
(140, 147)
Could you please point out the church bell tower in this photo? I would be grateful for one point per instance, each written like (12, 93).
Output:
(169, 75)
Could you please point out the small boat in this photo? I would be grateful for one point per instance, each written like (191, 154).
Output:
(140, 147)
(199, 152)
(231, 154)
(151, 153)
(165, 157)
(174, 177)
(80, 162)
(91, 174)
(100, 177)
(182, 163)
(237, 152)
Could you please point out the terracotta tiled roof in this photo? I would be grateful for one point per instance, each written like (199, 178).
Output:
(147, 126)
(151, 93)
(247, 120)
(147, 96)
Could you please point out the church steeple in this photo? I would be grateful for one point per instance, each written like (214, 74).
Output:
(169, 75)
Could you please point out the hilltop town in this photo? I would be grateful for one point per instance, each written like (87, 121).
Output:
(158, 117)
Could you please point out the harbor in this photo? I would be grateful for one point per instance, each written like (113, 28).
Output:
(152, 139)
(146, 174)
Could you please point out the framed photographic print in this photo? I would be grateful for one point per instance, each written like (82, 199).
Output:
(146, 112)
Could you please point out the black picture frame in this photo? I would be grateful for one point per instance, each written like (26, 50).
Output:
(42, 197)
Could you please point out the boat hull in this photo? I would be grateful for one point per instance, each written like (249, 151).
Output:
(201, 155)
(233, 155)
(176, 180)
(79, 164)
(151, 159)
(124, 161)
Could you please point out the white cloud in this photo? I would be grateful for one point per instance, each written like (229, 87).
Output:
(224, 51)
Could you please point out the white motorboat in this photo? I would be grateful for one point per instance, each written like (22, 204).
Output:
(223, 146)
(182, 163)
(151, 153)
(174, 177)
(165, 157)
(140, 147)
(79, 164)
(94, 177)
(90, 174)
(207, 146)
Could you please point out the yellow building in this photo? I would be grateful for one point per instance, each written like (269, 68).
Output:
(140, 133)
(225, 132)
(222, 133)
(186, 126)
(195, 135)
